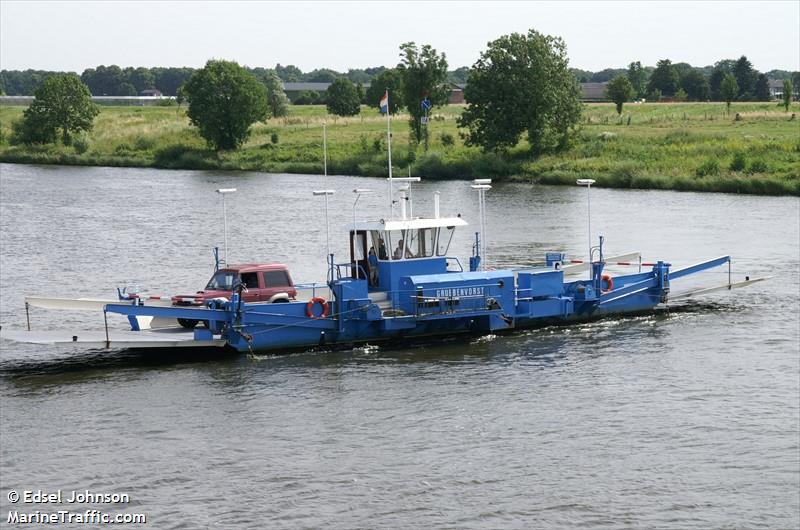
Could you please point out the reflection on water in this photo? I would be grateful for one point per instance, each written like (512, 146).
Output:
(684, 418)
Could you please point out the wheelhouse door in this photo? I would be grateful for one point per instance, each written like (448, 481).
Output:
(358, 255)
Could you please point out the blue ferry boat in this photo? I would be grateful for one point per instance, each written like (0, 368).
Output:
(400, 283)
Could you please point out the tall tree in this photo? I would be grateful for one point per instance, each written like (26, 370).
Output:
(638, 78)
(424, 74)
(521, 83)
(761, 90)
(729, 88)
(606, 75)
(695, 85)
(224, 101)
(140, 78)
(322, 75)
(721, 68)
(786, 97)
(459, 75)
(391, 80)
(619, 90)
(289, 73)
(745, 77)
(343, 99)
(663, 78)
(63, 103)
(169, 80)
(276, 97)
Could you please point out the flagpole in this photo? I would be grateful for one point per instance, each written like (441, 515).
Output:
(389, 146)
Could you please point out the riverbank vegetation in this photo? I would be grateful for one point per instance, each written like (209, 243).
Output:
(754, 148)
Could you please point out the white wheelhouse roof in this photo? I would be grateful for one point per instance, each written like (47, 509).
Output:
(406, 224)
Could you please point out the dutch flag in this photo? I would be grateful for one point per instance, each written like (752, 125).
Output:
(384, 104)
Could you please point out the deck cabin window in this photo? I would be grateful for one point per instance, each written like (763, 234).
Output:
(445, 237)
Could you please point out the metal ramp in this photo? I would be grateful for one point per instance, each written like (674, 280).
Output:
(155, 338)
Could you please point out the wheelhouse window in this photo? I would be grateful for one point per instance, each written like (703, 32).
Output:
(427, 241)
(413, 243)
(397, 243)
(380, 245)
(277, 278)
(445, 237)
(222, 281)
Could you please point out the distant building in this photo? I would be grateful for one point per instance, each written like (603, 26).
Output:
(456, 96)
(593, 92)
(292, 89)
(151, 92)
(776, 88)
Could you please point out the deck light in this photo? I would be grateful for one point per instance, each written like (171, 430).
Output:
(588, 183)
(482, 186)
(358, 192)
(325, 193)
(223, 192)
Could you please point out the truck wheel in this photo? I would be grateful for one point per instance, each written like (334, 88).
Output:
(188, 323)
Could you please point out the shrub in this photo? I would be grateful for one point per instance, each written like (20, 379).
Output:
(274, 138)
(709, 167)
(25, 131)
(739, 161)
(122, 149)
(185, 157)
(759, 165)
(624, 174)
(81, 144)
(143, 143)
(166, 102)
(447, 139)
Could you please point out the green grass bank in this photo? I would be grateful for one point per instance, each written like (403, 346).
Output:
(679, 146)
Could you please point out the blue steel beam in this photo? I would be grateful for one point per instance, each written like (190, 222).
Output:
(710, 264)
(628, 290)
(170, 312)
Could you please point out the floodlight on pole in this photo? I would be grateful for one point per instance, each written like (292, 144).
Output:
(358, 192)
(325, 193)
(482, 186)
(588, 183)
(223, 192)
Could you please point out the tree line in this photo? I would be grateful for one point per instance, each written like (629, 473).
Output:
(697, 83)
(117, 81)
(521, 86)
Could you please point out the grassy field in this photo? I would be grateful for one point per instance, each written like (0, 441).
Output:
(683, 146)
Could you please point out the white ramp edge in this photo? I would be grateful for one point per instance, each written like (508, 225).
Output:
(164, 338)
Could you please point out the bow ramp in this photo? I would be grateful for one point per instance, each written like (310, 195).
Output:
(155, 338)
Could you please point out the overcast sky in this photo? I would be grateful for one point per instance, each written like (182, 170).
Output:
(68, 35)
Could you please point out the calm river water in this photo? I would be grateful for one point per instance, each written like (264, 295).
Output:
(687, 419)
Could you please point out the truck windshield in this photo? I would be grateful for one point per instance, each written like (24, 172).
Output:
(221, 281)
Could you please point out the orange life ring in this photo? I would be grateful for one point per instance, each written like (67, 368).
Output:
(606, 278)
(326, 308)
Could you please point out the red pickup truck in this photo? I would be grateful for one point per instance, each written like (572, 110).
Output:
(264, 282)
